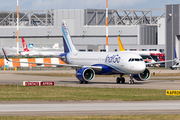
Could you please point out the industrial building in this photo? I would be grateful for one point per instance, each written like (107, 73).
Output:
(139, 29)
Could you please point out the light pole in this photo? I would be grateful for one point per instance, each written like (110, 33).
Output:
(106, 25)
(17, 29)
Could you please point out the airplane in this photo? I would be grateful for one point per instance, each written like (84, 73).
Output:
(148, 56)
(31, 46)
(55, 46)
(121, 48)
(44, 52)
(88, 64)
(31, 50)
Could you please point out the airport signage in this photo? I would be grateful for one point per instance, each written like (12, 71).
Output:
(47, 83)
(38, 83)
(31, 83)
(172, 92)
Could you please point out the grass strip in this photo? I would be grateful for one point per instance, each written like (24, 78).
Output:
(121, 117)
(64, 93)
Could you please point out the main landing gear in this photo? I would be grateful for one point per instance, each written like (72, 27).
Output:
(85, 82)
(131, 81)
(120, 79)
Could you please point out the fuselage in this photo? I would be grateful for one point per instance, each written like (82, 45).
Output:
(45, 53)
(119, 62)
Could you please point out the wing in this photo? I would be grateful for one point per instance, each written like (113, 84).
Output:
(96, 68)
(152, 63)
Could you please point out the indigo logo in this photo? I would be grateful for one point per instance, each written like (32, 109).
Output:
(112, 59)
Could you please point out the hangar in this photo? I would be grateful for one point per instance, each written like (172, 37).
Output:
(172, 32)
(139, 29)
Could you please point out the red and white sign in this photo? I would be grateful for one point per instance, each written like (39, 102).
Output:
(31, 83)
(38, 83)
(47, 83)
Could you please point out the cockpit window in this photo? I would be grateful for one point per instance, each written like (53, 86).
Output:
(135, 59)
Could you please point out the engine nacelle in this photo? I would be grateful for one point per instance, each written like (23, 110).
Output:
(142, 76)
(85, 74)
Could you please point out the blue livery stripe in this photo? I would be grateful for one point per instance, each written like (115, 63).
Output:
(114, 67)
(66, 49)
(66, 39)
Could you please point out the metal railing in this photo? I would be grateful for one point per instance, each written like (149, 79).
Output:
(27, 18)
(124, 17)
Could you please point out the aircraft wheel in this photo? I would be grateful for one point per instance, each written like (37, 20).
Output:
(123, 80)
(81, 82)
(118, 80)
(86, 82)
(131, 82)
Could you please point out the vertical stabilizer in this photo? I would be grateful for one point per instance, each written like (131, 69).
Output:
(121, 48)
(24, 45)
(68, 45)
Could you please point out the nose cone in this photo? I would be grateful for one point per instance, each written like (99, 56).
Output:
(138, 68)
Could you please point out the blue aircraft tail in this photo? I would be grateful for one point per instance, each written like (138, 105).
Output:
(68, 45)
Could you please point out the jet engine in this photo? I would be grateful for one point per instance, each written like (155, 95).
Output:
(85, 74)
(142, 76)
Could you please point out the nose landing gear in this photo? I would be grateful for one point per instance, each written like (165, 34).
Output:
(131, 81)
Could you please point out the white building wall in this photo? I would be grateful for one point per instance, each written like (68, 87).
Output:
(161, 31)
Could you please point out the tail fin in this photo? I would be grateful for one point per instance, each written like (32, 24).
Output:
(24, 45)
(5, 54)
(68, 45)
(121, 48)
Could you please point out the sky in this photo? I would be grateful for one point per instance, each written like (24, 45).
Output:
(10, 5)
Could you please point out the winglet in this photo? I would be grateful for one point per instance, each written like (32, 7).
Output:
(121, 48)
(5, 54)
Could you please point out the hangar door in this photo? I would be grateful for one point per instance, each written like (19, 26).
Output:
(177, 45)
